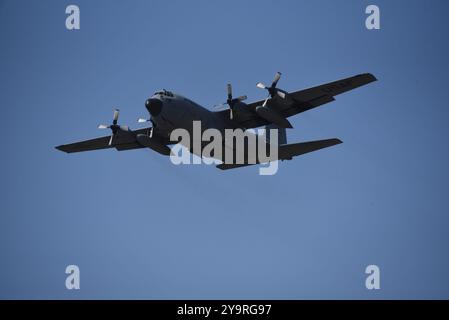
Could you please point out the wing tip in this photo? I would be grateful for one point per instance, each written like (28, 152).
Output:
(61, 148)
(369, 77)
(337, 141)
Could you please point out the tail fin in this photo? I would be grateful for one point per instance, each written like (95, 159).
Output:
(282, 134)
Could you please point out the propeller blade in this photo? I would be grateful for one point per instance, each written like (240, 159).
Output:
(141, 120)
(124, 128)
(110, 140)
(151, 132)
(280, 94)
(230, 102)
(265, 102)
(276, 79)
(102, 126)
(261, 85)
(229, 91)
(115, 117)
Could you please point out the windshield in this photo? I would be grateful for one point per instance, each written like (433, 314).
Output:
(164, 93)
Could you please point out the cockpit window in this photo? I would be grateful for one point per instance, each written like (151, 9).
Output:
(164, 93)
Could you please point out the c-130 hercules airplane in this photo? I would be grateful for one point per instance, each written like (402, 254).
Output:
(169, 111)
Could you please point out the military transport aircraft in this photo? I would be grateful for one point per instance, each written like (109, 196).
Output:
(169, 111)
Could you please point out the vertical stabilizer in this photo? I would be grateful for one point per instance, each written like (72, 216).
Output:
(282, 134)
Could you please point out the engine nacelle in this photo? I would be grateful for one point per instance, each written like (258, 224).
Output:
(240, 111)
(273, 117)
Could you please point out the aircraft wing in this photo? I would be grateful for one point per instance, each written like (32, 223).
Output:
(122, 141)
(303, 100)
(87, 145)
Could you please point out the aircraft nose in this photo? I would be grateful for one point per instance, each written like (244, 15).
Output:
(154, 106)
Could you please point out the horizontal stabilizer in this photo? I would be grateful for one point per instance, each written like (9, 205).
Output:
(288, 151)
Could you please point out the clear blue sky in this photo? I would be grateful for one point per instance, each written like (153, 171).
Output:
(140, 227)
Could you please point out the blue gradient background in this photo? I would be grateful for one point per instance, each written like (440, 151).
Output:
(140, 227)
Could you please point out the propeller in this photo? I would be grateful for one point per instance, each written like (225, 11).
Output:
(114, 126)
(142, 120)
(272, 90)
(231, 101)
